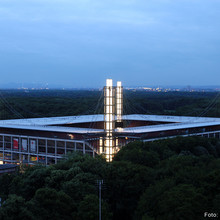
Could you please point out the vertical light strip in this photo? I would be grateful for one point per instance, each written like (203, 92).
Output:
(119, 112)
(109, 119)
(100, 145)
(119, 102)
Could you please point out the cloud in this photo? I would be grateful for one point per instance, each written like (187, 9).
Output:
(120, 36)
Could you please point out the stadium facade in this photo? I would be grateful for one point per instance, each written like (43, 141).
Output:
(47, 140)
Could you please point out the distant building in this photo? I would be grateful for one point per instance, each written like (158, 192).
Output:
(47, 140)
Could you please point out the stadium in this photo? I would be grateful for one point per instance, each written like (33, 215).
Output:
(47, 140)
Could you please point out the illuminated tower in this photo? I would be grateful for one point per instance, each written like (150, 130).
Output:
(113, 110)
(119, 113)
(119, 105)
(109, 119)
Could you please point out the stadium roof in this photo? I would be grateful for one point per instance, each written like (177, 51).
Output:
(45, 124)
(54, 120)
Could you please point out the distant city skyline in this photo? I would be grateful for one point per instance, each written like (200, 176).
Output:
(80, 43)
(158, 88)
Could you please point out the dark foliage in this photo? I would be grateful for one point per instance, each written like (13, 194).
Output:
(153, 180)
(48, 103)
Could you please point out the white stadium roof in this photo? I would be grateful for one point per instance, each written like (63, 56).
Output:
(45, 124)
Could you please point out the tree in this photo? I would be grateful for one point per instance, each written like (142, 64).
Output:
(32, 180)
(182, 202)
(14, 208)
(5, 181)
(50, 204)
(136, 153)
(125, 182)
(89, 209)
(149, 201)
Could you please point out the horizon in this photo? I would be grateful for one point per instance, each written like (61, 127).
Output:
(29, 86)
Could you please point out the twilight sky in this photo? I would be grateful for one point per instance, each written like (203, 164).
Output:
(80, 43)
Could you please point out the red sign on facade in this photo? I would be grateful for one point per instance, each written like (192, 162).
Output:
(15, 143)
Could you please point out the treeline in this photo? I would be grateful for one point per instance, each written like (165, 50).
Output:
(173, 103)
(167, 179)
(49, 103)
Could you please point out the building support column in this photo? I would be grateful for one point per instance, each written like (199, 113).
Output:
(109, 119)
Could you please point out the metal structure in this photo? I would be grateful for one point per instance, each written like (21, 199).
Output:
(119, 105)
(109, 119)
(47, 140)
(113, 111)
(100, 183)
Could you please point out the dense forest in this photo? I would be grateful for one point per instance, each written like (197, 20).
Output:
(168, 179)
(46, 103)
